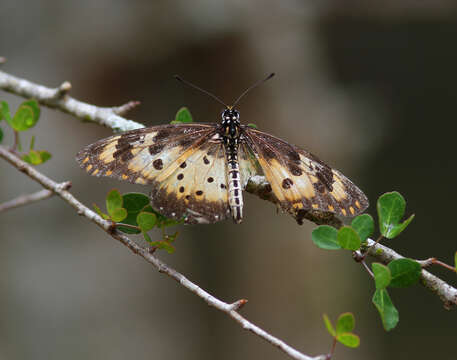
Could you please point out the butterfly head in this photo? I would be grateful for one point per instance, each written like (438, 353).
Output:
(231, 122)
(230, 116)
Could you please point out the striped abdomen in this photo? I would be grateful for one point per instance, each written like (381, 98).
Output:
(235, 195)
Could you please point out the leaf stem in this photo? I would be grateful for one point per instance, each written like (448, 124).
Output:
(332, 350)
(435, 261)
(127, 226)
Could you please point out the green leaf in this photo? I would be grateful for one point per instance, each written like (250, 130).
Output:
(405, 272)
(32, 142)
(45, 155)
(391, 208)
(382, 276)
(253, 126)
(1, 135)
(33, 157)
(329, 326)
(345, 323)
(325, 237)
(5, 112)
(114, 201)
(349, 339)
(146, 221)
(363, 225)
(163, 245)
(387, 310)
(99, 212)
(183, 116)
(26, 116)
(119, 214)
(348, 238)
(36, 157)
(134, 203)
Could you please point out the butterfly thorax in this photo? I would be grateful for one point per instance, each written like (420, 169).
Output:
(230, 132)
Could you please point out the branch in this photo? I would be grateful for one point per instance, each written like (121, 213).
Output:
(229, 309)
(59, 98)
(28, 199)
(447, 293)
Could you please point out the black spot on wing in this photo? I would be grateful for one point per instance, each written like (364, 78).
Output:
(156, 148)
(163, 134)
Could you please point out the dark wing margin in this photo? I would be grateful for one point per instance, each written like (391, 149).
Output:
(300, 182)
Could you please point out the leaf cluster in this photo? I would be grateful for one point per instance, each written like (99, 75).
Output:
(25, 118)
(343, 330)
(398, 273)
(132, 214)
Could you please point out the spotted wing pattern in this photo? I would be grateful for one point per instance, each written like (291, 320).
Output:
(301, 182)
(183, 163)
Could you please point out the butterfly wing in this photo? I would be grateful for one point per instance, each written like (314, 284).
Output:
(300, 181)
(183, 163)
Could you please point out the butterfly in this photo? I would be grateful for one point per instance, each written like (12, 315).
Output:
(198, 171)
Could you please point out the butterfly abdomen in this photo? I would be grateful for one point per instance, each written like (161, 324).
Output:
(235, 195)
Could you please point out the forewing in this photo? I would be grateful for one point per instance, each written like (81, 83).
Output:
(300, 181)
(139, 156)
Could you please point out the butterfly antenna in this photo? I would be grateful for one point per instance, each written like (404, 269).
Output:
(200, 89)
(252, 87)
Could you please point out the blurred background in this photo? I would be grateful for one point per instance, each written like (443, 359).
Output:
(368, 86)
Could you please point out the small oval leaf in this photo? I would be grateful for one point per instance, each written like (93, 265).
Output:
(329, 326)
(119, 214)
(405, 272)
(5, 112)
(146, 221)
(348, 238)
(26, 116)
(345, 323)
(363, 225)
(183, 116)
(382, 276)
(113, 201)
(387, 310)
(391, 208)
(349, 339)
(325, 237)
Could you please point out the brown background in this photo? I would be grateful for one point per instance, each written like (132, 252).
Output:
(368, 86)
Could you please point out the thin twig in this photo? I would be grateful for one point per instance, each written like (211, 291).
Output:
(435, 261)
(58, 98)
(106, 225)
(367, 268)
(26, 199)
